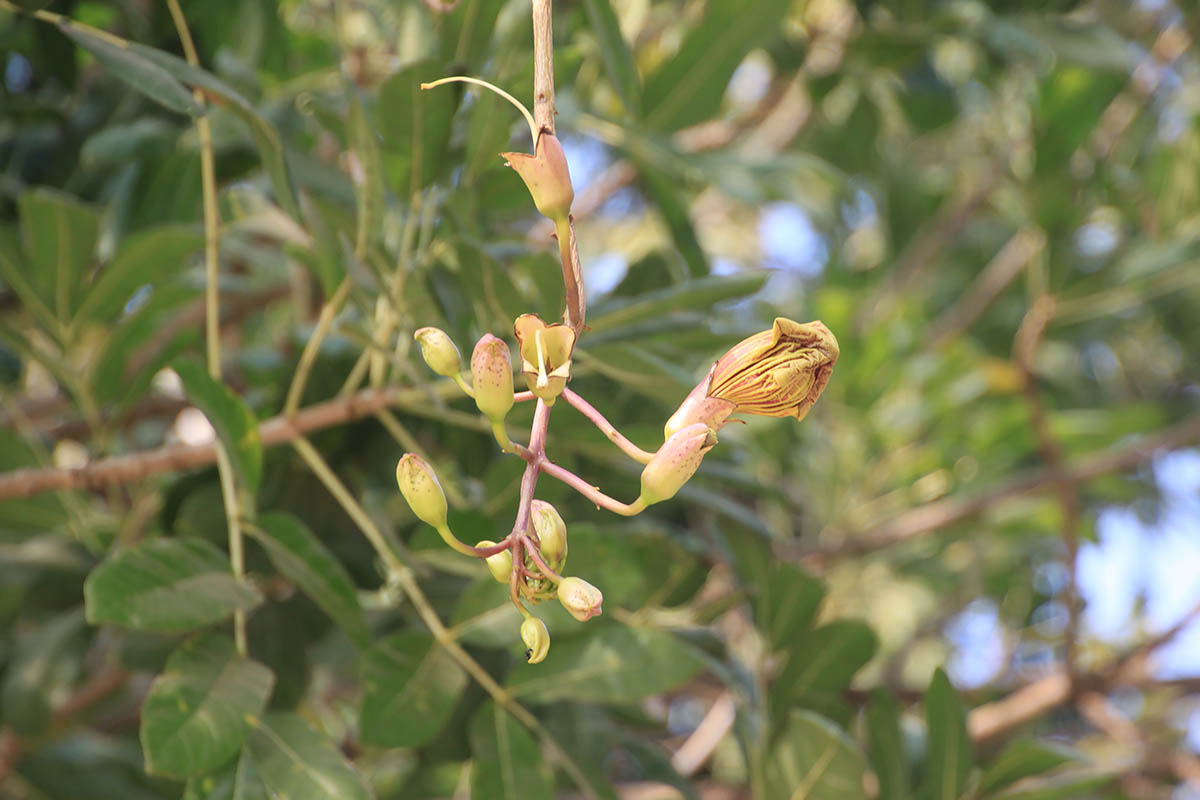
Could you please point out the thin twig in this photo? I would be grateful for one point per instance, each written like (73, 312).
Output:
(1028, 337)
(212, 315)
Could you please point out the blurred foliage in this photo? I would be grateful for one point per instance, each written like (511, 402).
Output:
(939, 168)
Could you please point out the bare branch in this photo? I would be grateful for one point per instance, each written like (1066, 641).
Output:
(947, 511)
(174, 458)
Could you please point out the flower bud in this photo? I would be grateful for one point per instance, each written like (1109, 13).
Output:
(775, 373)
(491, 371)
(421, 489)
(499, 564)
(580, 598)
(551, 531)
(439, 351)
(676, 462)
(546, 176)
(536, 638)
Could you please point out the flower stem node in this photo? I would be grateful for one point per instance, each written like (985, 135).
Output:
(439, 351)
(775, 373)
(676, 462)
(545, 355)
(546, 176)
(551, 532)
(491, 371)
(421, 489)
(580, 599)
(536, 638)
(499, 564)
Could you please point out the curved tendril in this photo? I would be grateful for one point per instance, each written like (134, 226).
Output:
(533, 131)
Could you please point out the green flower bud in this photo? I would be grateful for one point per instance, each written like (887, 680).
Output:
(421, 489)
(499, 564)
(551, 531)
(536, 638)
(676, 462)
(580, 598)
(439, 351)
(491, 369)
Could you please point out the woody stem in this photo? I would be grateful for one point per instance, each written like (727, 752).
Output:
(615, 436)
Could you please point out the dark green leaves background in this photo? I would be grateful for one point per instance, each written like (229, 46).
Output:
(937, 167)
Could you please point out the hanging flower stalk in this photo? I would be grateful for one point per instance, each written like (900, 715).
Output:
(778, 372)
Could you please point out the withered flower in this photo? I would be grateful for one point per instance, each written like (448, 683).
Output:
(545, 355)
(775, 373)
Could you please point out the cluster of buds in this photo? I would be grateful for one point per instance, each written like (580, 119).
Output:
(780, 372)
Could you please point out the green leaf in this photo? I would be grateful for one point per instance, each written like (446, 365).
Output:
(416, 123)
(135, 69)
(1070, 786)
(59, 237)
(948, 763)
(197, 713)
(506, 761)
(702, 293)
(813, 759)
(158, 74)
(612, 664)
(296, 761)
(690, 86)
(301, 557)
(886, 746)
(232, 419)
(468, 30)
(145, 257)
(1023, 758)
(411, 685)
(239, 780)
(43, 663)
(826, 659)
(614, 50)
(165, 585)
(786, 603)
(676, 213)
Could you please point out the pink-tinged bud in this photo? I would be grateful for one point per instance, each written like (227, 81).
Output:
(439, 351)
(536, 638)
(421, 489)
(499, 564)
(580, 598)
(546, 176)
(676, 462)
(775, 373)
(545, 355)
(491, 373)
(551, 531)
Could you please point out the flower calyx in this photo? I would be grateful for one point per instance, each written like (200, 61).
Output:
(421, 489)
(580, 599)
(676, 462)
(546, 176)
(491, 374)
(536, 638)
(545, 355)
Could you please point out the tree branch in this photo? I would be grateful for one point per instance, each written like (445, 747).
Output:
(947, 511)
(174, 458)
(543, 67)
